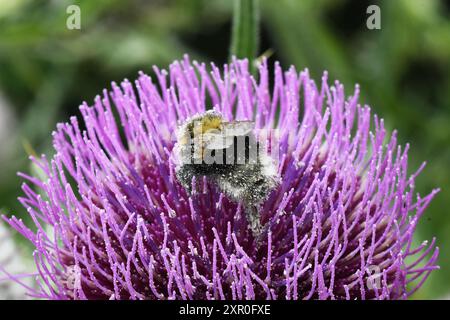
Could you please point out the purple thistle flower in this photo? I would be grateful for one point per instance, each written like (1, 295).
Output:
(112, 221)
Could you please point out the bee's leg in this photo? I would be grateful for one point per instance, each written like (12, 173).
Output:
(263, 233)
(254, 222)
(184, 176)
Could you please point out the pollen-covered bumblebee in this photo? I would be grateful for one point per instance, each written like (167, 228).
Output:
(230, 155)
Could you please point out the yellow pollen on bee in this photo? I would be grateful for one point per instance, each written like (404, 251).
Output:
(207, 124)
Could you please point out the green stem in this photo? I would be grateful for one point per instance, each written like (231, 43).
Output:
(245, 33)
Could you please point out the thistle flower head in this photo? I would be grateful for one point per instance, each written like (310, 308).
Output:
(113, 222)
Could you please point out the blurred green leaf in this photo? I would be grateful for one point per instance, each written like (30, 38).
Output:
(245, 34)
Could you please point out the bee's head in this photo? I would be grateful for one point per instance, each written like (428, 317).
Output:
(209, 121)
(199, 125)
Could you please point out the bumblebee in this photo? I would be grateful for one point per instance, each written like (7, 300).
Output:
(229, 155)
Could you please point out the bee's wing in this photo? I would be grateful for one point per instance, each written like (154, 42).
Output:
(238, 128)
(214, 141)
(223, 139)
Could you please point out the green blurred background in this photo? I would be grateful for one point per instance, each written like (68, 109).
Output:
(46, 71)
